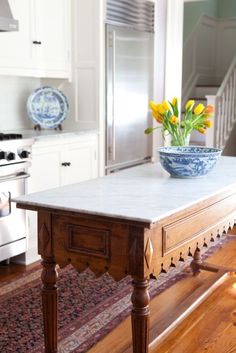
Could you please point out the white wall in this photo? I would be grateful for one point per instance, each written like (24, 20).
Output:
(14, 92)
(168, 54)
(208, 52)
(174, 49)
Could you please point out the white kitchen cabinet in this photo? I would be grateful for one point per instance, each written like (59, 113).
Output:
(62, 162)
(52, 18)
(45, 173)
(79, 162)
(58, 162)
(41, 47)
(17, 51)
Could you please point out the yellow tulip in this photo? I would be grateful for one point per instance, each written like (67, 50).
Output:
(174, 101)
(199, 109)
(160, 109)
(202, 130)
(208, 123)
(209, 109)
(189, 105)
(166, 106)
(153, 106)
(174, 120)
(158, 117)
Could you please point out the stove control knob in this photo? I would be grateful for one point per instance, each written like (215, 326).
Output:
(11, 156)
(24, 154)
(3, 155)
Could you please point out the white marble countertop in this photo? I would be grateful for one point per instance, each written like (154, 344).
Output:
(43, 135)
(145, 193)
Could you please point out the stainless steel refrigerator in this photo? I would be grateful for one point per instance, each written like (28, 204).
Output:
(129, 87)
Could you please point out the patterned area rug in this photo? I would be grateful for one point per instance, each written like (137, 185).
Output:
(89, 308)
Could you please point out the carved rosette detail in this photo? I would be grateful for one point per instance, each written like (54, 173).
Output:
(44, 241)
(149, 252)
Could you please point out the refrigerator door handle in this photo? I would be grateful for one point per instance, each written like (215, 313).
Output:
(113, 140)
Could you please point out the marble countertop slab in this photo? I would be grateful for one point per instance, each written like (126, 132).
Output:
(43, 135)
(145, 193)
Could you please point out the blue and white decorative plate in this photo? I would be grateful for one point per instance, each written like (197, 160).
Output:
(47, 107)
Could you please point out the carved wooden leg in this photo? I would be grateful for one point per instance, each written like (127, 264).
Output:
(197, 260)
(140, 315)
(49, 300)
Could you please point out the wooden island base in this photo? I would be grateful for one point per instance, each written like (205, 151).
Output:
(166, 308)
(137, 222)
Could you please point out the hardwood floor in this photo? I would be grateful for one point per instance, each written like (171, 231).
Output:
(166, 307)
(211, 328)
(9, 272)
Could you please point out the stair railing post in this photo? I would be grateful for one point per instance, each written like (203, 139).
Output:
(212, 139)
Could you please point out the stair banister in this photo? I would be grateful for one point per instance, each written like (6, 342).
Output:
(225, 109)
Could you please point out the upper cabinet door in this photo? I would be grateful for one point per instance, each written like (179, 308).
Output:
(17, 52)
(41, 47)
(52, 18)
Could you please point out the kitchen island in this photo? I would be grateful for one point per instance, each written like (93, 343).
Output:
(137, 222)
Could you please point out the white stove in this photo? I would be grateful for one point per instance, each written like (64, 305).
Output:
(14, 149)
(15, 157)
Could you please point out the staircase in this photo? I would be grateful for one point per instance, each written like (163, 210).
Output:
(225, 107)
(223, 98)
(199, 95)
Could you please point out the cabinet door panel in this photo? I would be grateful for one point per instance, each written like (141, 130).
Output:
(17, 50)
(52, 24)
(82, 164)
(45, 172)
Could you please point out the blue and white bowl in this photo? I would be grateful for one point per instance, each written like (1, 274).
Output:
(188, 162)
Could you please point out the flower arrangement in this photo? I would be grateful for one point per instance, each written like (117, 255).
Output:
(167, 114)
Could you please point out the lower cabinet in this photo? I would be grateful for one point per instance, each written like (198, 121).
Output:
(79, 162)
(55, 164)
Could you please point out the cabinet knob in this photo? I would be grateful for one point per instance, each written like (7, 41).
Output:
(37, 42)
(66, 164)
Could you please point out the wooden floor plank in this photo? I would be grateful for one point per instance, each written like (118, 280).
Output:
(211, 328)
(164, 307)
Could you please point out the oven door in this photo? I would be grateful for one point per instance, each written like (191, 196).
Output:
(12, 220)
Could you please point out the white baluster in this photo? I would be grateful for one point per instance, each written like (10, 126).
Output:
(226, 113)
(229, 125)
(211, 139)
(223, 107)
(234, 97)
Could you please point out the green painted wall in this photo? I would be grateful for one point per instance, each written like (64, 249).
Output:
(227, 8)
(193, 11)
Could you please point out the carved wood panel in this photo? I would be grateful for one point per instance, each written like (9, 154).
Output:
(90, 241)
(84, 242)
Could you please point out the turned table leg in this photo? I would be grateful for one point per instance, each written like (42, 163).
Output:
(49, 301)
(197, 261)
(140, 315)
